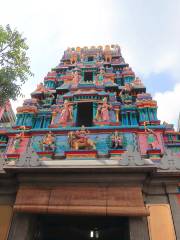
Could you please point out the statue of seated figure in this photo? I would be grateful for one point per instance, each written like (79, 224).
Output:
(48, 142)
(79, 140)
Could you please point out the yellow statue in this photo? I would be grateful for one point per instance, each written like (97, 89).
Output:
(48, 142)
(80, 140)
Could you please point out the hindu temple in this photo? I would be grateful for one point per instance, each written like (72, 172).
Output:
(88, 158)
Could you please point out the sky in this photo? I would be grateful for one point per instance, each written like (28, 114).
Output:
(148, 33)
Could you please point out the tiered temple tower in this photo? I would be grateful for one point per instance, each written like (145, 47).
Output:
(88, 138)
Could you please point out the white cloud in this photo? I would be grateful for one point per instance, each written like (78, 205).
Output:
(169, 105)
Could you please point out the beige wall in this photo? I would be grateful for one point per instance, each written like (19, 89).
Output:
(160, 222)
(5, 220)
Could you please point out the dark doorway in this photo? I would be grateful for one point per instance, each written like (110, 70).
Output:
(90, 58)
(88, 76)
(84, 114)
(55, 227)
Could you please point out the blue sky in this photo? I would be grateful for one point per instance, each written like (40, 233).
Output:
(147, 31)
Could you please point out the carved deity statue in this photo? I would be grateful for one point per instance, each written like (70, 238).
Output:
(100, 76)
(18, 139)
(127, 88)
(117, 140)
(48, 98)
(103, 111)
(80, 140)
(75, 77)
(65, 114)
(40, 88)
(152, 139)
(125, 94)
(137, 81)
(48, 142)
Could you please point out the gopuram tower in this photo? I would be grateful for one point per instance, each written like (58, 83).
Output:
(88, 157)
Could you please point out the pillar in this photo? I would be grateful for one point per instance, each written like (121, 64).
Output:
(20, 119)
(23, 227)
(155, 113)
(172, 192)
(5, 220)
(146, 114)
(138, 228)
(151, 114)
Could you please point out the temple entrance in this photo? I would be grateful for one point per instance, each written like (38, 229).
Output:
(88, 76)
(54, 227)
(84, 114)
(90, 58)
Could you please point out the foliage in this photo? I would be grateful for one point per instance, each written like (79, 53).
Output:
(14, 63)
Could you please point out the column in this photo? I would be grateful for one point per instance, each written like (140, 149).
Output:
(5, 220)
(131, 118)
(94, 110)
(146, 114)
(74, 113)
(150, 113)
(155, 113)
(20, 119)
(140, 115)
(172, 191)
(135, 118)
(23, 227)
(28, 119)
(138, 228)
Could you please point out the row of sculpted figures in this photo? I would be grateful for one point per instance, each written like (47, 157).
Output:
(104, 113)
(83, 139)
(66, 114)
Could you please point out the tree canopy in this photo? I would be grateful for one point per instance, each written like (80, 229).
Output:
(14, 63)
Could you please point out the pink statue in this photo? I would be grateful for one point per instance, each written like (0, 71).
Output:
(66, 113)
(103, 111)
(127, 87)
(137, 81)
(76, 78)
(40, 88)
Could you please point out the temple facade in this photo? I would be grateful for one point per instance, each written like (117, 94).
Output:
(88, 158)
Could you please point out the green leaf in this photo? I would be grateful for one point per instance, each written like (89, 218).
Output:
(14, 63)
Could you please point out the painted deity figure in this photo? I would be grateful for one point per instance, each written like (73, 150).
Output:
(40, 88)
(76, 78)
(103, 111)
(100, 77)
(137, 81)
(62, 115)
(81, 135)
(49, 98)
(80, 140)
(65, 113)
(125, 94)
(117, 140)
(18, 139)
(48, 142)
(152, 139)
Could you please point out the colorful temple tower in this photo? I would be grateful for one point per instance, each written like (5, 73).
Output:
(88, 158)
(7, 120)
